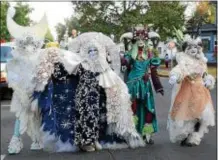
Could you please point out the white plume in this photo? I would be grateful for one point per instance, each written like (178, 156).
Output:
(187, 38)
(11, 12)
(153, 34)
(198, 40)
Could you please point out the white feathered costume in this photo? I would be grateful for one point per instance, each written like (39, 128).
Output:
(32, 67)
(20, 72)
(191, 109)
(119, 113)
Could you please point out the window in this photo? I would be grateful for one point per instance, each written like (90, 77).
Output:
(206, 45)
(159, 50)
(5, 53)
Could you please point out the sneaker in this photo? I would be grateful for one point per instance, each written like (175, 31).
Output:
(36, 146)
(88, 148)
(98, 146)
(15, 145)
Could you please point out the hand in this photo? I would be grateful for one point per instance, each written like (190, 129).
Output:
(161, 92)
(123, 68)
(207, 83)
(173, 80)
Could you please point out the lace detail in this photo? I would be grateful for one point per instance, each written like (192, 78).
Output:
(109, 48)
(87, 108)
(46, 67)
(28, 39)
(99, 64)
(119, 110)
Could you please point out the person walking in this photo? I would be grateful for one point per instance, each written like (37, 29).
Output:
(166, 60)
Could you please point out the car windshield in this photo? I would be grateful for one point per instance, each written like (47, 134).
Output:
(5, 53)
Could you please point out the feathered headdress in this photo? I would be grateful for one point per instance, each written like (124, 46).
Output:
(140, 31)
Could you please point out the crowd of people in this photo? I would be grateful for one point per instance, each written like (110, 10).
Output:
(75, 99)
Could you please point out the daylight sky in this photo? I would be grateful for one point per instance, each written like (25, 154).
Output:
(55, 11)
(58, 11)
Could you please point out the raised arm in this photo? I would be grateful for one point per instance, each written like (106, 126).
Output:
(154, 63)
(176, 75)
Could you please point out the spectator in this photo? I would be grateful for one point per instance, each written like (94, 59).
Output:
(166, 60)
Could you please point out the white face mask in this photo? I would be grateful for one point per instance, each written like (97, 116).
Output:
(93, 53)
(193, 50)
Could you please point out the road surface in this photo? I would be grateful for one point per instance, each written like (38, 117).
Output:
(161, 150)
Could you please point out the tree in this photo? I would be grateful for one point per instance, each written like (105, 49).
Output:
(119, 17)
(3, 27)
(49, 36)
(71, 23)
(21, 17)
(60, 29)
(204, 14)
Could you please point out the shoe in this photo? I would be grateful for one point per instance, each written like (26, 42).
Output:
(148, 139)
(36, 146)
(150, 142)
(88, 148)
(15, 145)
(98, 146)
(184, 143)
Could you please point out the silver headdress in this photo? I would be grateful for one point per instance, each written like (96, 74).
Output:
(106, 42)
(99, 63)
(33, 35)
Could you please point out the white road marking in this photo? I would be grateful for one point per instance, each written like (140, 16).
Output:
(3, 156)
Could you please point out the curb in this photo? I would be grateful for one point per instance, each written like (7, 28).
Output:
(161, 75)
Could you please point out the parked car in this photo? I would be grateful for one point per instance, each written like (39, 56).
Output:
(5, 92)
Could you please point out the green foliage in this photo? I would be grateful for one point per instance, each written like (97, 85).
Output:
(204, 14)
(118, 17)
(4, 32)
(49, 36)
(166, 16)
(21, 17)
(72, 23)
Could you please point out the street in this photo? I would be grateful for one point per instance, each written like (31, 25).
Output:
(163, 149)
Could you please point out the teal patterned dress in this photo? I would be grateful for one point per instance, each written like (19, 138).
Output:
(140, 88)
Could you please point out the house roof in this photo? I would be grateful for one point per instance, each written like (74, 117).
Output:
(205, 28)
(209, 27)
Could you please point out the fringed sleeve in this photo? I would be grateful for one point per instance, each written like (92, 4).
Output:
(155, 62)
(178, 72)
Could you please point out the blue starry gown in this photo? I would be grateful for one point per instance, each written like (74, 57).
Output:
(58, 106)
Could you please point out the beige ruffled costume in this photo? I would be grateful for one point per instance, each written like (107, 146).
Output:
(191, 100)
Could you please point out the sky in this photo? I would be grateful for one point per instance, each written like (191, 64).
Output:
(57, 11)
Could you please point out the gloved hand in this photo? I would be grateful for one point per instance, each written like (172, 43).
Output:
(208, 83)
(173, 79)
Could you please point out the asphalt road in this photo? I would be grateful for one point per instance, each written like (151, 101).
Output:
(161, 150)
